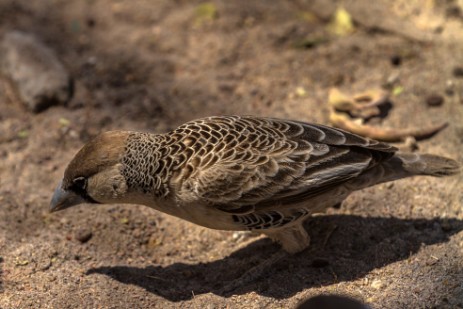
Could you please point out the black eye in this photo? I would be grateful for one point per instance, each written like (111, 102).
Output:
(79, 184)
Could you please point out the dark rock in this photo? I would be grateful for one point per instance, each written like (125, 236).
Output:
(434, 100)
(458, 71)
(453, 11)
(39, 77)
(83, 235)
(396, 60)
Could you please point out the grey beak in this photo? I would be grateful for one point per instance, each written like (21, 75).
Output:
(63, 199)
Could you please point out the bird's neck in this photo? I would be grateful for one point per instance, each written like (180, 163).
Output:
(147, 164)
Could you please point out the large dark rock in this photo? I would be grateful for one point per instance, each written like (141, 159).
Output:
(39, 77)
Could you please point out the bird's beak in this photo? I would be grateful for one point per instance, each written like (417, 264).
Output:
(63, 199)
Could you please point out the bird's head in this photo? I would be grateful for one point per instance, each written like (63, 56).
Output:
(94, 174)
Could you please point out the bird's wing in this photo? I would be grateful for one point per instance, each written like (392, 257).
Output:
(239, 164)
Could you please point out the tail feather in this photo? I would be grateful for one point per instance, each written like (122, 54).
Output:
(426, 164)
(403, 165)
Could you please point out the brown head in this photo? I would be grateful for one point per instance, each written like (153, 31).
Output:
(94, 174)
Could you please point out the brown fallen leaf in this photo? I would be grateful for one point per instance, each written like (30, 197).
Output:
(343, 121)
(363, 105)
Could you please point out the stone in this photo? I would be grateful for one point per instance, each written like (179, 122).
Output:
(40, 79)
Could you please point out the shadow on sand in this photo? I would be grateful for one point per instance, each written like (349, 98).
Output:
(344, 248)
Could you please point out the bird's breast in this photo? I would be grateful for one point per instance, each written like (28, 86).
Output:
(197, 213)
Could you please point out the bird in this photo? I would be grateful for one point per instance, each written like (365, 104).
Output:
(238, 173)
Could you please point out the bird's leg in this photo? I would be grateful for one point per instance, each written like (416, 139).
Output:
(293, 240)
(244, 236)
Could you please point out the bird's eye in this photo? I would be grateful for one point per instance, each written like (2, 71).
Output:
(80, 183)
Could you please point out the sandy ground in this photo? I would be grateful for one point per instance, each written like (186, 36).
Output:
(152, 65)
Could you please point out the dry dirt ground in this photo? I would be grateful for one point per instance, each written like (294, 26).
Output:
(152, 65)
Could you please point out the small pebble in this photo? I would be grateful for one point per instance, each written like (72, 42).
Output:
(458, 71)
(396, 60)
(434, 100)
(438, 29)
(91, 22)
(453, 11)
(392, 80)
(83, 235)
(376, 284)
(52, 278)
(449, 87)
(45, 266)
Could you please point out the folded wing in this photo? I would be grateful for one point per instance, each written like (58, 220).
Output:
(239, 164)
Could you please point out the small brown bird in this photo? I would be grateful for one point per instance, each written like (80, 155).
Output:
(238, 173)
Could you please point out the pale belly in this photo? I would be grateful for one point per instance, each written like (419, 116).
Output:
(272, 217)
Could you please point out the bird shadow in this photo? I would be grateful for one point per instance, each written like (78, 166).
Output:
(343, 248)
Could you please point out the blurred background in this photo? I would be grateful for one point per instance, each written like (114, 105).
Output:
(72, 69)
